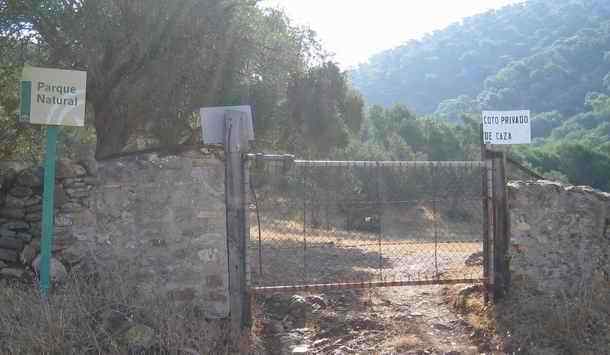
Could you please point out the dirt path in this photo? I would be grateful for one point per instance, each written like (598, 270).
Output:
(405, 320)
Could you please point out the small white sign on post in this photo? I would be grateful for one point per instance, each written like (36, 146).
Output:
(213, 123)
(53, 96)
(507, 127)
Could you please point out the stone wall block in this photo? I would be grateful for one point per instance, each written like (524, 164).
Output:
(557, 235)
(12, 213)
(31, 178)
(10, 256)
(20, 191)
(17, 226)
(11, 243)
(14, 202)
(33, 201)
(33, 217)
(33, 209)
(68, 169)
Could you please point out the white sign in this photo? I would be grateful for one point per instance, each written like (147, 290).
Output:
(507, 127)
(213, 123)
(53, 96)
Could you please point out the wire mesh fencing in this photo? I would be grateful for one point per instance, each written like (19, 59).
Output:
(331, 222)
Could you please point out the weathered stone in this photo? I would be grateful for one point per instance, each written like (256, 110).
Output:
(69, 169)
(301, 349)
(77, 192)
(29, 178)
(33, 209)
(12, 273)
(92, 181)
(11, 243)
(76, 186)
(21, 192)
(73, 181)
(71, 207)
(14, 202)
(139, 338)
(84, 218)
(10, 256)
(28, 254)
(16, 226)
(12, 213)
(34, 200)
(9, 176)
(60, 195)
(63, 240)
(85, 155)
(70, 256)
(475, 259)
(289, 341)
(557, 236)
(4, 232)
(316, 301)
(63, 220)
(26, 237)
(33, 217)
(58, 271)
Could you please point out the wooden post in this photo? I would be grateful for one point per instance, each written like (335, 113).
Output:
(235, 189)
(501, 227)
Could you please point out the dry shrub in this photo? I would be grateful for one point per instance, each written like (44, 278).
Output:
(91, 313)
(563, 324)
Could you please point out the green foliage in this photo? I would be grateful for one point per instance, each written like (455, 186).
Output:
(544, 55)
(321, 112)
(19, 141)
(150, 66)
(398, 134)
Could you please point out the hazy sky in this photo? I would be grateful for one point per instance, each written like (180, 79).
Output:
(356, 29)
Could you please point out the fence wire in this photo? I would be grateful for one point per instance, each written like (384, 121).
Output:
(358, 222)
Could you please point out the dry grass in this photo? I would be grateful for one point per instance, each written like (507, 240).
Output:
(540, 324)
(91, 313)
(345, 256)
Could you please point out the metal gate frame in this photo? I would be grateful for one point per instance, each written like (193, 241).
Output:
(495, 225)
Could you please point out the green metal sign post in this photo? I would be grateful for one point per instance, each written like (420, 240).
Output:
(48, 210)
(51, 97)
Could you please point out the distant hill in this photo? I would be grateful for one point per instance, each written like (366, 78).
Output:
(549, 56)
(543, 55)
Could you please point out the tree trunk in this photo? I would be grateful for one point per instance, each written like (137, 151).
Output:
(111, 132)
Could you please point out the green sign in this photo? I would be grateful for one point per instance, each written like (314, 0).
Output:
(51, 97)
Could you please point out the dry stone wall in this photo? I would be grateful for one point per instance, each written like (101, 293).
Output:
(21, 215)
(165, 215)
(560, 237)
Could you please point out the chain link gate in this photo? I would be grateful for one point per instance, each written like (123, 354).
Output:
(350, 224)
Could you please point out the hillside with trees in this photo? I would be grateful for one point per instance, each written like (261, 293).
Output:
(552, 57)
